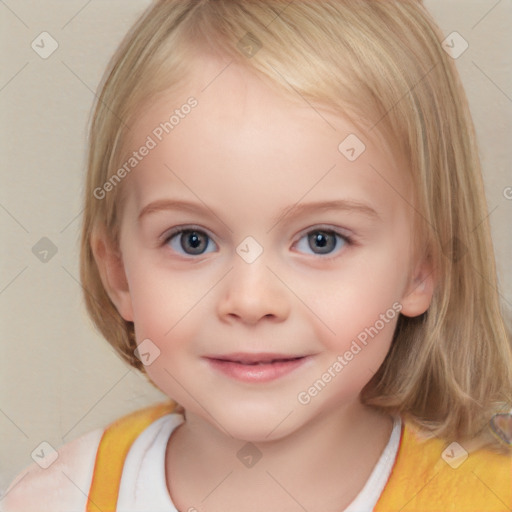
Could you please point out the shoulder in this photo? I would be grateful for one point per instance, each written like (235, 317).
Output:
(61, 486)
(64, 485)
(433, 474)
(470, 456)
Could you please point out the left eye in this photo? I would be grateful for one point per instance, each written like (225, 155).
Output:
(321, 241)
(192, 242)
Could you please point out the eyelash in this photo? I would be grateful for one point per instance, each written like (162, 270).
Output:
(346, 239)
(182, 229)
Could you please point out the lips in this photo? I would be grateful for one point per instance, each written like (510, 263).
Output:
(262, 367)
(250, 359)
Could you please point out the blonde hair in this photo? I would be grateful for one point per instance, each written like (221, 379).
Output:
(381, 61)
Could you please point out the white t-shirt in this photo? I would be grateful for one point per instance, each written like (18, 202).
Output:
(143, 482)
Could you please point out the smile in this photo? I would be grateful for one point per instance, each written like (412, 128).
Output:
(256, 368)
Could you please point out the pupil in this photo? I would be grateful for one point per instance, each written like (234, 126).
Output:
(322, 240)
(195, 241)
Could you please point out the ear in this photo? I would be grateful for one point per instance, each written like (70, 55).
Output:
(419, 291)
(110, 265)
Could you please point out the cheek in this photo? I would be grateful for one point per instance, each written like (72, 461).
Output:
(167, 316)
(354, 304)
(152, 311)
(362, 343)
(160, 298)
(169, 309)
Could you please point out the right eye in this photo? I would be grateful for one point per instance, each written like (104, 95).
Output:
(189, 241)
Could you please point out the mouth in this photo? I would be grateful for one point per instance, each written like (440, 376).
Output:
(256, 367)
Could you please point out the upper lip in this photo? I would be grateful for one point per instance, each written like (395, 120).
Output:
(248, 358)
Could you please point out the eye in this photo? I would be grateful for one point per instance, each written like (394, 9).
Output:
(322, 241)
(190, 241)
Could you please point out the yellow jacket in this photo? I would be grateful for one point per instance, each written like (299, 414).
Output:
(421, 480)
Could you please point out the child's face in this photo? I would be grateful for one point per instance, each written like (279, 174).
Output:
(237, 161)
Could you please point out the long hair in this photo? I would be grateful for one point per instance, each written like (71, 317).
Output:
(382, 64)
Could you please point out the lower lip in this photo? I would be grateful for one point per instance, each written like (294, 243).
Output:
(257, 372)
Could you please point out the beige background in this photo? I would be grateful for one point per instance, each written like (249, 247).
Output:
(59, 378)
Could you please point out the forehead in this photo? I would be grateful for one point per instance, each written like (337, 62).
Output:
(247, 137)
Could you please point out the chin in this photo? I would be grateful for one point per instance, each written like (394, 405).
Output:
(257, 422)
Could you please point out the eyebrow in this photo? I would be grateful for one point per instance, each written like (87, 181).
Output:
(321, 206)
(171, 204)
(297, 209)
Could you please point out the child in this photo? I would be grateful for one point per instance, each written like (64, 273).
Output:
(332, 334)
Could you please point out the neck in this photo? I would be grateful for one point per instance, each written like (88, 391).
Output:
(321, 466)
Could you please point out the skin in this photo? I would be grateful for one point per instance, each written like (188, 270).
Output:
(247, 153)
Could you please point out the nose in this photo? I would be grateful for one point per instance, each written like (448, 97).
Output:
(253, 293)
